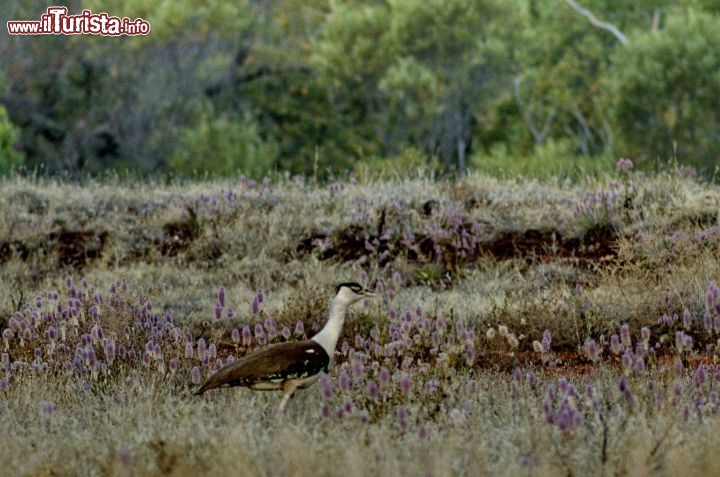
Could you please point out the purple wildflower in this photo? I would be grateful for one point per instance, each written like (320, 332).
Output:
(259, 334)
(625, 335)
(384, 378)
(246, 336)
(532, 379)
(195, 375)
(645, 335)
(546, 340)
(679, 341)
(372, 390)
(712, 296)
(627, 360)
(687, 319)
(568, 418)
(615, 345)
(345, 381)
(47, 408)
(639, 365)
(624, 165)
(326, 385)
(405, 384)
(591, 348)
(708, 321)
(109, 350)
(517, 374)
(221, 297)
(402, 415)
(358, 368)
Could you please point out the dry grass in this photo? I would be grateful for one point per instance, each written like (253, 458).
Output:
(470, 412)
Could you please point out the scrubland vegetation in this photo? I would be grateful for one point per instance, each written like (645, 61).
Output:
(521, 327)
(325, 86)
(542, 308)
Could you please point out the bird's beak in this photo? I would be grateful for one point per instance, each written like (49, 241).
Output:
(368, 293)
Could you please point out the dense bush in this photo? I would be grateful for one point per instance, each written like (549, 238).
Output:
(222, 147)
(9, 158)
(319, 87)
(664, 87)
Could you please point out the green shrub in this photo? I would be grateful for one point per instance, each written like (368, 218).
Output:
(9, 158)
(553, 158)
(663, 91)
(223, 147)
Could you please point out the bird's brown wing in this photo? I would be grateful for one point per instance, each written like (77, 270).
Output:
(274, 363)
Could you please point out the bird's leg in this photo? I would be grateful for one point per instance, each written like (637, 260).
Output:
(289, 388)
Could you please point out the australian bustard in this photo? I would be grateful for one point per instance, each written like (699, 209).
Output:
(291, 365)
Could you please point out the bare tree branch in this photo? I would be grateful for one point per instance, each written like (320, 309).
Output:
(600, 24)
(539, 134)
(656, 21)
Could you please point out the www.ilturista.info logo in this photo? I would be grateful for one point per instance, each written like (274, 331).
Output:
(57, 22)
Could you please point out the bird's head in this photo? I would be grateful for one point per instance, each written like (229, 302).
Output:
(349, 293)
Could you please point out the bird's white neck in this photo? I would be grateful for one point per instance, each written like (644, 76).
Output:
(329, 335)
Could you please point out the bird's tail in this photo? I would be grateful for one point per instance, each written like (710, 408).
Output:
(216, 380)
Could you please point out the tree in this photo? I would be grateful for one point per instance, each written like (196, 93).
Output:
(559, 75)
(9, 158)
(412, 72)
(663, 90)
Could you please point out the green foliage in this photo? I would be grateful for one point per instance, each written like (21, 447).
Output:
(663, 88)
(9, 158)
(553, 158)
(324, 87)
(412, 71)
(223, 147)
(559, 76)
(410, 163)
(311, 135)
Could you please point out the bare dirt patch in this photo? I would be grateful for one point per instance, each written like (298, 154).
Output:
(598, 244)
(76, 248)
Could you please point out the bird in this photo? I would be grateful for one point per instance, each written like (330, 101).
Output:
(291, 365)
